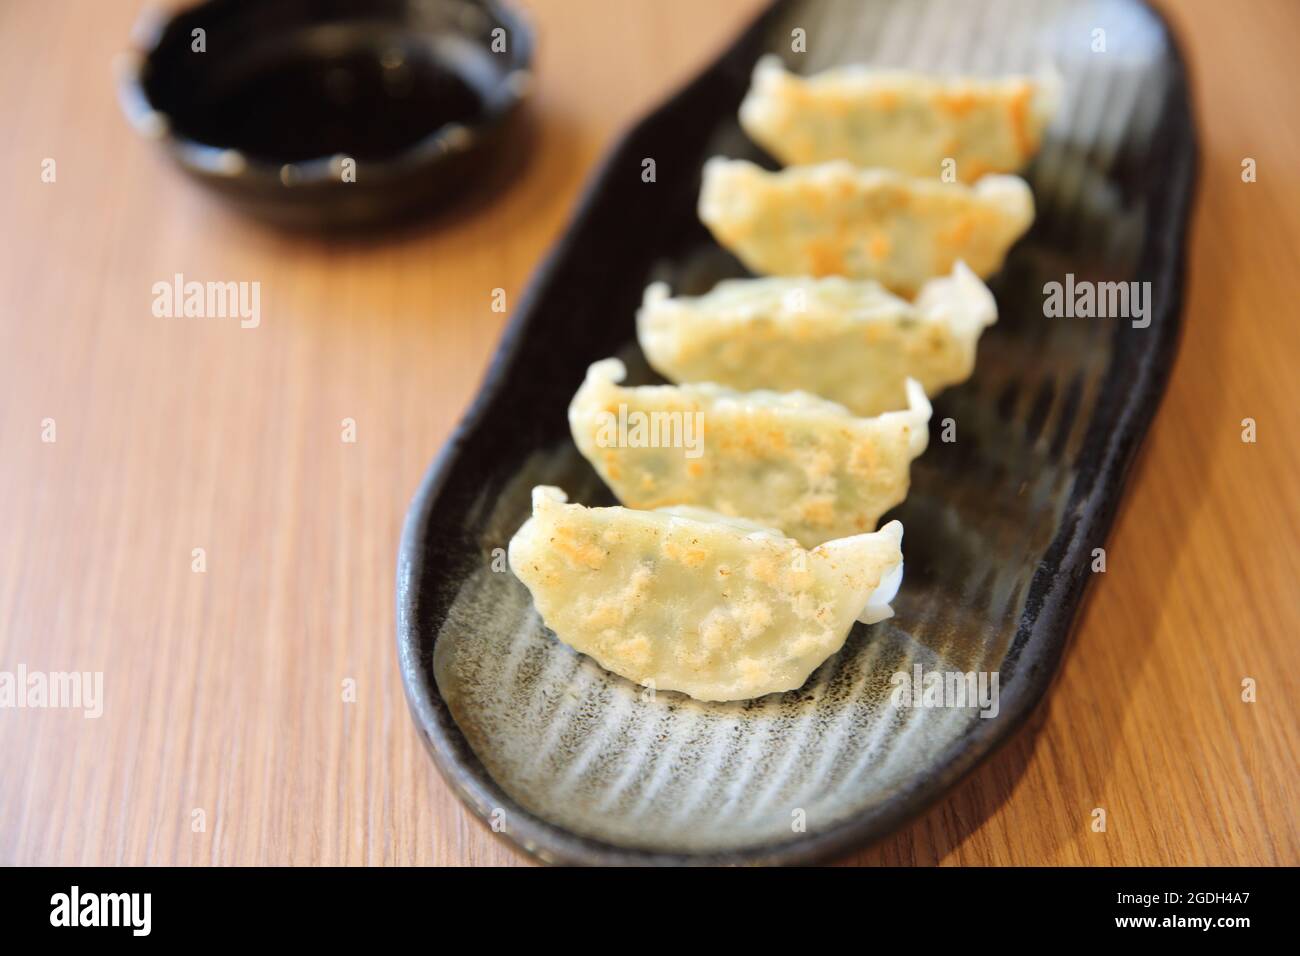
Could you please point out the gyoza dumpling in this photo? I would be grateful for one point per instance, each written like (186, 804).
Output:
(718, 608)
(848, 340)
(837, 219)
(910, 122)
(787, 460)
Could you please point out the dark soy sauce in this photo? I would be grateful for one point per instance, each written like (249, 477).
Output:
(367, 102)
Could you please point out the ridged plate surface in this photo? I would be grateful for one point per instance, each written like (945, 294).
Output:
(578, 765)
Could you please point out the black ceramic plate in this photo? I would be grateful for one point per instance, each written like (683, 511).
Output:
(572, 763)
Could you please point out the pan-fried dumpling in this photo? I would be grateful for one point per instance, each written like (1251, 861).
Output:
(787, 460)
(836, 219)
(849, 341)
(718, 608)
(909, 122)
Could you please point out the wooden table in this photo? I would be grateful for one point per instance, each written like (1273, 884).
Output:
(226, 736)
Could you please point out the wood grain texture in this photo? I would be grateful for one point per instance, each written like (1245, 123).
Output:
(223, 689)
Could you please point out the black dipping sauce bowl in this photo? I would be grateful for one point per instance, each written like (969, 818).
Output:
(328, 114)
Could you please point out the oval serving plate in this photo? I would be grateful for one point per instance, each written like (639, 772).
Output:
(577, 765)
